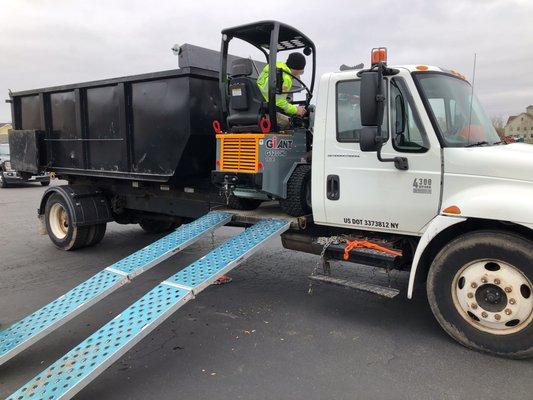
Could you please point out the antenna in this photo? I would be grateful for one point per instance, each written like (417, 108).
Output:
(472, 96)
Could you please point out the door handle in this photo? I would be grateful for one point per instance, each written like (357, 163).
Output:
(333, 187)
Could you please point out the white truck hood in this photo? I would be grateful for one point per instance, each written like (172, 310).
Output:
(513, 161)
(492, 182)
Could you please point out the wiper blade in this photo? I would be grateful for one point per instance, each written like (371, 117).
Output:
(483, 143)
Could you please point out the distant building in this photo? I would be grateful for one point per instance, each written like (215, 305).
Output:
(4, 127)
(521, 126)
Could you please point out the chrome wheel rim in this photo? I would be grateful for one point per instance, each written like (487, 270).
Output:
(58, 220)
(493, 296)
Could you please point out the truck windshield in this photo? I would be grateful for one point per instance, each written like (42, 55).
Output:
(4, 150)
(459, 116)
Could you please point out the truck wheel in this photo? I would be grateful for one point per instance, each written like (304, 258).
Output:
(62, 233)
(45, 183)
(96, 234)
(479, 289)
(298, 201)
(3, 182)
(239, 203)
(156, 226)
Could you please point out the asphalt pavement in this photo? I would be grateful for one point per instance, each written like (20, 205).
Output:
(263, 336)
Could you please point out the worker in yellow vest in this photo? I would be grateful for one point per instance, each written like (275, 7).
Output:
(295, 65)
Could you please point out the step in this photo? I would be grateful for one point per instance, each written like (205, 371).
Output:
(383, 291)
(34, 327)
(71, 373)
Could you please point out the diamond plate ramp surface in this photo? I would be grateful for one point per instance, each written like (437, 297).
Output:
(37, 325)
(68, 375)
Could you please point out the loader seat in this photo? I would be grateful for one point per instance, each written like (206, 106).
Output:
(246, 105)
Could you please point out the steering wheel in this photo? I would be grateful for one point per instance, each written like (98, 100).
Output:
(308, 96)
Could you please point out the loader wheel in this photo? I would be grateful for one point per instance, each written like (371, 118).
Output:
(62, 233)
(480, 290)
(239, 203)
(96, 234)
(156, 226)
(298, 201)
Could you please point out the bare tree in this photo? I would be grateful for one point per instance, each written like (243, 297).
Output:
(498, 124)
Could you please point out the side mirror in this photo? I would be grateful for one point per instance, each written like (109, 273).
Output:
(279, 80)
(371, 99)
(368, 140)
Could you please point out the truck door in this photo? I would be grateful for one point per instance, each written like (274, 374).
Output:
(361, 191)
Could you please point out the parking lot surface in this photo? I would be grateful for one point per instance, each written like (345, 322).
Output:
(263, 336)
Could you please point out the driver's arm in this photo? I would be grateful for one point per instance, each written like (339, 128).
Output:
(283, 103)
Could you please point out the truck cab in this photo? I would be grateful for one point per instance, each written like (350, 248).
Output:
(454, 161)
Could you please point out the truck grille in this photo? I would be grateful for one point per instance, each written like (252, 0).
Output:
(239, 152)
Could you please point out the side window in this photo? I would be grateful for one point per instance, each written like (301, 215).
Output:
(348, 112)
(407, 131)
(438, 107)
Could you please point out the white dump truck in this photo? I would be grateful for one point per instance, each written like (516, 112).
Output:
(396, 167)
(404, 158)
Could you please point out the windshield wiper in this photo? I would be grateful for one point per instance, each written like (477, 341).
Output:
(483, 143)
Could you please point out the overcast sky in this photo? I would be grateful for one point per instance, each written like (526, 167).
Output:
(52, 42)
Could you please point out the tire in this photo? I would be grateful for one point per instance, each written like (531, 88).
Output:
(64, 235)
(45, 183)
(156, 226)
(479, 289)
(298, 201)
(240, 203)
(3, 182)
(96, 234)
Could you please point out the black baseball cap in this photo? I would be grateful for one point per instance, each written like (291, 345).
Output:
(296, 61)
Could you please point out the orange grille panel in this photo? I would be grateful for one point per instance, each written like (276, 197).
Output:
(239, 152)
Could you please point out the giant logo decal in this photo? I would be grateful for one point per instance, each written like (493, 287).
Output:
(275, 143)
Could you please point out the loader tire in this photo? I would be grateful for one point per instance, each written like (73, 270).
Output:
(298, 201)
(156, 226)
(239, 203)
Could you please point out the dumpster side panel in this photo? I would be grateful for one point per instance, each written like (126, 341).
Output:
(199, 156)
(105, 131)
(160, 110)
(63, 139)
(30, 113)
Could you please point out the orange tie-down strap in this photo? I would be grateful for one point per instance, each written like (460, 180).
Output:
(352, 244)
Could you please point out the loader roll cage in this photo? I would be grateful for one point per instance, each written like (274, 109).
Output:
(270, 37)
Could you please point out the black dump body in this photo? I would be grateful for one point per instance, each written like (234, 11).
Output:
(146, 142)
(152, 127)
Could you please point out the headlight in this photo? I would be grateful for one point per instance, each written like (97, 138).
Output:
(7, 165)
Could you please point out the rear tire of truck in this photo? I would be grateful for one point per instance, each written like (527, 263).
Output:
(96, 234)
(479, 289)
(45, 183)
(62, 233)
(240, 203)
(156, 226)
(298, 201)
(3, 182)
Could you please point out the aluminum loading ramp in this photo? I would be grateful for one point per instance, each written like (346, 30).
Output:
(34, 327)
(71, 373)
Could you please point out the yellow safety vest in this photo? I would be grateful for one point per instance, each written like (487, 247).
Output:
(281, 99)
